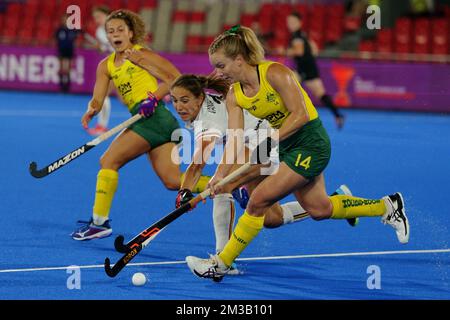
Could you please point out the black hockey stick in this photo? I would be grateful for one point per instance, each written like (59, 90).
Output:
(133, 247)
(40, 173)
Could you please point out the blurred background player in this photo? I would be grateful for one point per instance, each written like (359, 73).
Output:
(303, 51)
(65, 43)
(100, 14)
(135, 72)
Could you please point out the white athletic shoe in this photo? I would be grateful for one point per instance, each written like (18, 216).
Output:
(212, 268)
(396, 217)
(234, 271)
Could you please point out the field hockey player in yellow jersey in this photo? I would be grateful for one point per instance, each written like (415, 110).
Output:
(270, 90)
(135, 72)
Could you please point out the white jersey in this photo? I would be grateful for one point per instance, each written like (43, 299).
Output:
(102, 38)
(212, 120)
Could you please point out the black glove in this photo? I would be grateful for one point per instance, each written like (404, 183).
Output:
(261, 154)
(183, 197)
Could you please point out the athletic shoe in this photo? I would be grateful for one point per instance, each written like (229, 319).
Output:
(241, 196)
(234, 271)
(343, 189)
(89, 230)
(396, 217)
(212, 268)
(97, 130)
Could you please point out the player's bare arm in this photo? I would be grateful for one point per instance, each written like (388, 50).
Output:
(157, 66)
(283, 81)
(203, 150)
(100, 92)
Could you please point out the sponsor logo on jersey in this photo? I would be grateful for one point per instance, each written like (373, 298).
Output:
(274, 117)
(124, 88)
(211, 107)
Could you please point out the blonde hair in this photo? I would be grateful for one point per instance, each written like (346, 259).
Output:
(134, 23)
(239, 40)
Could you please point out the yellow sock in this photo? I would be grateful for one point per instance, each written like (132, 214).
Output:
(201, 184)
(107, 181)
(245, 231)
(345, 207)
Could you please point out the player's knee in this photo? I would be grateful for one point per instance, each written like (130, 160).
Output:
(257, 204)
(271, 222)
(320, 211)
(107, 162)
(171, 183)
(318, 215)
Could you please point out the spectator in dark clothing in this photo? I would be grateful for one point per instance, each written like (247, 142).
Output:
(65, 41)
(303, 51)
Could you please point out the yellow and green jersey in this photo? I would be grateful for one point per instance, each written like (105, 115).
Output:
(132, 82)
(267, 103)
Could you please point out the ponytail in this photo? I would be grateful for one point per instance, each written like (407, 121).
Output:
(239, 40)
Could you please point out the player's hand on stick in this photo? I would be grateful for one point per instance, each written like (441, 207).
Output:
(212, 184)
(148, 106)
(87, 117)
(183, 197)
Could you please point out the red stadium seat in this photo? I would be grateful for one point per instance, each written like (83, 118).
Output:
(197, 17)
(303, 10)
(133, 5)
(384, 40)
(403, 35)
(207, 40)
(114, 4)
(367, 46)
(194, 43)
(440, 36)
(421, 43)
(247, 19)
(334, 29)
(352, 24)
(265, 22)
(265, 17)
(90, 27)
(180, 16)
(25, 36)
(150, 4)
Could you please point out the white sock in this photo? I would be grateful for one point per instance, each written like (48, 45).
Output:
(103, 116)
(223, 218)
(98, 220)
(293, 212)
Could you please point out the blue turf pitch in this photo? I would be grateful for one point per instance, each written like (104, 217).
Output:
(375, 154)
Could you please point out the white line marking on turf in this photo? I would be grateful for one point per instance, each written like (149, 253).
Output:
(304, 256)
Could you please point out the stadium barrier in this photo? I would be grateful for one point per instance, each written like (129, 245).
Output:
(352, 83)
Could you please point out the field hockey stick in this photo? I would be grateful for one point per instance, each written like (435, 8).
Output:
(133, 247)
(40, 173)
